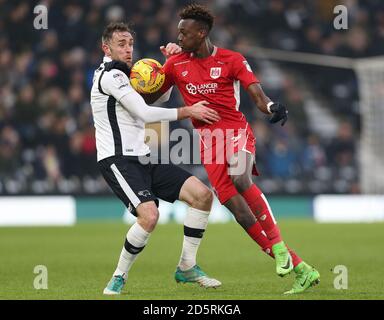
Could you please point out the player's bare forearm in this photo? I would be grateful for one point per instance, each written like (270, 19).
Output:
(259, 97)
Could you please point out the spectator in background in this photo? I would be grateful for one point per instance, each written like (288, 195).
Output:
(282, 160)
(313, 155)
(9, 151)
(341, 149)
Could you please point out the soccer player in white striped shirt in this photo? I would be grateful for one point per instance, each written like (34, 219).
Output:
(120, 114)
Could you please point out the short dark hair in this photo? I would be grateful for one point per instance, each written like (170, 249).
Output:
(116, 26)
(199, 13)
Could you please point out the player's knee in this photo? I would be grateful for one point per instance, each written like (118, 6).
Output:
(202, 198)
(148, 215)
(151, 220)
(241, 182)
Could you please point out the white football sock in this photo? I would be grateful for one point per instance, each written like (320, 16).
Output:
(135, 242)
(195, 224)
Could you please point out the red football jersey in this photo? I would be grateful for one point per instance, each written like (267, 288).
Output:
(215, 79)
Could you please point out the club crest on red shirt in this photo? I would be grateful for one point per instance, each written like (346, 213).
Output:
(215, 72)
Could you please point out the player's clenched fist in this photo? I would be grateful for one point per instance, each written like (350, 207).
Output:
(279, 113)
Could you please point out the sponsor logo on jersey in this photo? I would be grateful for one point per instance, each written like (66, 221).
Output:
(204, 88)
(215, 72)
(191, 88)
(184, 73)
(119, 78)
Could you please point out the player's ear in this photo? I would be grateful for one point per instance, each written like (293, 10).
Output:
(203, 33)
(106, 49)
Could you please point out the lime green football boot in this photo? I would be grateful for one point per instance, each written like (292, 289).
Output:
(283, 259)
(306, 277)
(195, 274)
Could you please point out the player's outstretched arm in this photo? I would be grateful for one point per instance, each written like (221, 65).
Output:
(116, 84)
(278, 111)
(136, 105)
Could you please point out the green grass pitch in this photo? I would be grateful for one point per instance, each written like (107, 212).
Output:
(81, 259)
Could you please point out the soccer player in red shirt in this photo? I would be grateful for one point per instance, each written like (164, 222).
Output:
(203, 71)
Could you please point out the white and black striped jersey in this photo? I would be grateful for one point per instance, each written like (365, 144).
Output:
(117, 131)
(119, 112)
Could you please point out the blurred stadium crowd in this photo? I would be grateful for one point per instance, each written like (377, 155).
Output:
(47, 140)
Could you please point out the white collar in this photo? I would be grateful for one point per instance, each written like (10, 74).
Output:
(107, 59)
(214, 51)
(212, 55)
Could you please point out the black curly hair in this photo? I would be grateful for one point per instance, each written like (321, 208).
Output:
(199, 13)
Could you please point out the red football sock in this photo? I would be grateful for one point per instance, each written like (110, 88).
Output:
(295, 258)
(257, 234)
(260, 208)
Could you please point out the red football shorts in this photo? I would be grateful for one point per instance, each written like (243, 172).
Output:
(217, 148)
